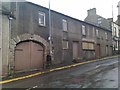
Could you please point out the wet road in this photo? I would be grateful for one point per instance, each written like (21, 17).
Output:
(101, 74)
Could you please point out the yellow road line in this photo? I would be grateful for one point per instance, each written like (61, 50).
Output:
(51, 70)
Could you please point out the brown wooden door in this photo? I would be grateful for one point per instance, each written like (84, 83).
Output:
(22, 56)
(98, 51)
(36, 56)
(75, 49)
(28, 56)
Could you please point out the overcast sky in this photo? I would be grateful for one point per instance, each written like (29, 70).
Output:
(78, 8)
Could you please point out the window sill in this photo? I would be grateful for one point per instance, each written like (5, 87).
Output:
(65, 31)
(42, 26)
(89, 49)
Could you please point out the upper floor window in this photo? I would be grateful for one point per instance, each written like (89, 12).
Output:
(115, 34)
(106, 35)
(83, 30)
(65, 25)
(41, 18)
(99, 20)
(97, 32)
(93, 32)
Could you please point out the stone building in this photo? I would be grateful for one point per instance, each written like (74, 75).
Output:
(119, 25)
(72, 39)
(98, 20)
(115, 36)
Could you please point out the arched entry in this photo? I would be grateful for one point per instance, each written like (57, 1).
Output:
(28, 56)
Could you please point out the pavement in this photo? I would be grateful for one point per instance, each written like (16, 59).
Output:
(37, 73)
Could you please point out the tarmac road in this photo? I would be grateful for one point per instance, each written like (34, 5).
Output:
(101, 74)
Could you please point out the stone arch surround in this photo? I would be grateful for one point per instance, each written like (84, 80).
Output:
(21, 38)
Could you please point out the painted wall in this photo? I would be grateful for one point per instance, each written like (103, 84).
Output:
(5, 44)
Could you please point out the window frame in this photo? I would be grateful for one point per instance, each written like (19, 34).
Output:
(43, 15)
(83, 30)
(65, 22)
(106, 35)
(88, 46)
(97, 33)
(66, 43)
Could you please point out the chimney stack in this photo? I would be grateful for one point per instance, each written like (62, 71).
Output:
(91, 11)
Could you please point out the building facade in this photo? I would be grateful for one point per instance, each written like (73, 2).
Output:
(72, 39)
(115, 36)
(119, 25)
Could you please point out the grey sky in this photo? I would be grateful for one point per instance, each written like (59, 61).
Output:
(78, 8)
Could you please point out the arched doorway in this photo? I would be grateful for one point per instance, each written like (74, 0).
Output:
(28, 56)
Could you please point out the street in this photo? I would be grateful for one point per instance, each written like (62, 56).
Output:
(101, 74)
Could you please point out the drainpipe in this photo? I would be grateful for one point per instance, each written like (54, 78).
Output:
(9, 65)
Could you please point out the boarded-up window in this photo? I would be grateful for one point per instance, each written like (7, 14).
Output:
(65, 44)
(65, 27)
(91, 46)
(88, 45)
(85, 45)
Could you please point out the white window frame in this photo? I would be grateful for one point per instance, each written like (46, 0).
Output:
(106, 35)
(99, 20)
(64, 22)
(115, 34)
(83, 30)
(66, 43)
(39, 19)
(97, 32)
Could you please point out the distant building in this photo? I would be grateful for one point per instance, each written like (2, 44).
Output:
(96, 19)
(115, 36)
(119, 25)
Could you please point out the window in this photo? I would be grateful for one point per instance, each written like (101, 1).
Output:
(106, 35)
(41, 18)
(91, 46)
(65, 27)
(87, 45)
(115, 34)
(83, 30)
(97, 33)
(93, 32)
(99, 20)
(84, 45)
(65, 44)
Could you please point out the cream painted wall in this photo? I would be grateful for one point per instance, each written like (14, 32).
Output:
(5, 44)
